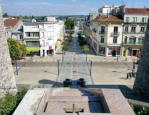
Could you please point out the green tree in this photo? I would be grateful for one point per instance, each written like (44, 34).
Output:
(23, 49)
(69, 24)
(16, 49)
(5, 15)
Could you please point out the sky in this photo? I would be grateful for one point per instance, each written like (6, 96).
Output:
(62, 7)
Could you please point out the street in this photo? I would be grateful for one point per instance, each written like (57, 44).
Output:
(44, 70)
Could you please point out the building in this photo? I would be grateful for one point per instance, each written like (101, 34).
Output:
(14, 29)
(135, 22)
(131, 31)
(44, 36)
(106, 35)
(106, 9)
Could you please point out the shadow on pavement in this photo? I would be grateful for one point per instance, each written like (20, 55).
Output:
(45, 81)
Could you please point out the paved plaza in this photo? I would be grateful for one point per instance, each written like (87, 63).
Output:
(74, 65)
(105, 70)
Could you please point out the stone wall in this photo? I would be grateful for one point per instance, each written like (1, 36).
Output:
(141, 85)
(7, 79)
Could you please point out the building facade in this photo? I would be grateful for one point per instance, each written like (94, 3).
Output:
(106, 35)
(14, 29)
(135, 22)
(130, 30)
(44, 35)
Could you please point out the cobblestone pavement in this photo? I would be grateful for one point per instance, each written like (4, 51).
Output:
(74, 65)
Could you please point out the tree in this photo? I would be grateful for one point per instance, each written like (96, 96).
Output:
(5, 15)
(69, 24)
(16, 49)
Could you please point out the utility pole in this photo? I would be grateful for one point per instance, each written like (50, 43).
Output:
(62, 56)
(91, 68)
(16, 67)
(58, 67)
(86, 56)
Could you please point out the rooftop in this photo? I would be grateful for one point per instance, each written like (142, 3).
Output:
(137, 10)
(110, 18)
(11, 22)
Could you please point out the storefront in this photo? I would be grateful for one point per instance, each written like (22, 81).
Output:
(132, 51)
(113, 50)
(101, 50)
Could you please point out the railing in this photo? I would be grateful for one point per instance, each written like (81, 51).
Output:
(26, 37)
(101, 32)
(134, 32)
(115, 34)
(132, 43)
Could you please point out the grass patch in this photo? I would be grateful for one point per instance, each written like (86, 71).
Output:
(9, 102)
(140, 110)
(33, 49)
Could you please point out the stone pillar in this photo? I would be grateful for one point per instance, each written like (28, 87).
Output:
(141, 85)
(7, 79)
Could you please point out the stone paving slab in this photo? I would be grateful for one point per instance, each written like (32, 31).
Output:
(116, 102)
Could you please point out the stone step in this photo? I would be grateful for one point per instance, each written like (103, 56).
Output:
(72, 93)
(74, 98)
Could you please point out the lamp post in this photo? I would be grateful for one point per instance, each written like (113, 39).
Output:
(16, 67)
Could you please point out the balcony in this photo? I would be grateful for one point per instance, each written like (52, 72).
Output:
(132, 43)
(102, 32)
(115, 34)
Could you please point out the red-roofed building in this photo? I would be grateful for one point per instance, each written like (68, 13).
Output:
(14, 29)
(106, 35)
(137, 11)
(135, 22)
(11, 22)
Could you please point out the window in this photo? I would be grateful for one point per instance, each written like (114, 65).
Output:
(127, 19)
(115, 40)
(102, 29)
(144, 20)
(126, 29)
(140, 40)
(115, 30)
(133, 29)
(142, 29)
(94, 30)
(132, 40)
(32, 34)
(102, 39)
(125, 40)
(134, 19)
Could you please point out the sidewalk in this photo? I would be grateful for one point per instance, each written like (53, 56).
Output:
(95, 58)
